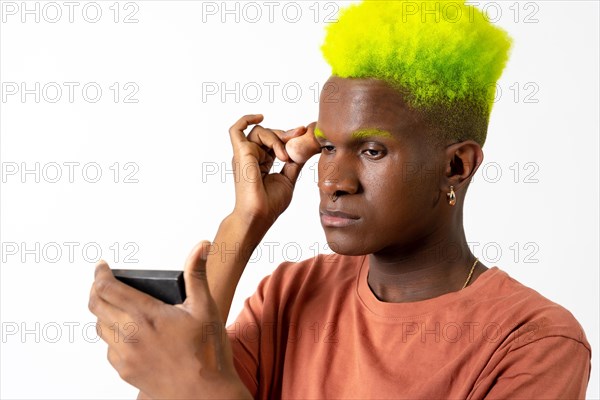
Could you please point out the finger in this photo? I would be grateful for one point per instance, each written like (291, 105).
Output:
(302, 148)
(236, 132)
(113, 358)
(120, 295)
(310, 132)
(117, 335)
(105, 311)
(109, 333)
(284, 136)
(265, 163)
(246, 155)
(291, 170)
(194, 275)
(267, 139)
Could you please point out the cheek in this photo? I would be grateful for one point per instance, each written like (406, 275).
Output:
(326, 169)
(386, 198)
(396, 189)
(383, 191)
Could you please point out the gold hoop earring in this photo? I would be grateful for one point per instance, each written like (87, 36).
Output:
(451, 196)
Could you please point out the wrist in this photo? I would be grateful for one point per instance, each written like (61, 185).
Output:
(251, 226)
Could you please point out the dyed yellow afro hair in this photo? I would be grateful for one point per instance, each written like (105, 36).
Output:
(444, 56)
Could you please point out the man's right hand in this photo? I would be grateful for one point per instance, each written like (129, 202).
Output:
(260, 197)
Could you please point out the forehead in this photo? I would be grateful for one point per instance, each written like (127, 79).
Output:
(347, 105)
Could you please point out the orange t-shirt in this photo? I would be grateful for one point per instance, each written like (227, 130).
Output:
(315, 330)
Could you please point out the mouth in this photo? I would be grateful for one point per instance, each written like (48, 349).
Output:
(337, 219)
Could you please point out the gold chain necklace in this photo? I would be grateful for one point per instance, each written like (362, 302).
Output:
(470, 273)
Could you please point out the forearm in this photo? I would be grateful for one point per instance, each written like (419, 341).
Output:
(234, 243)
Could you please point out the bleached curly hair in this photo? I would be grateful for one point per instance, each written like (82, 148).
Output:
(444, 56)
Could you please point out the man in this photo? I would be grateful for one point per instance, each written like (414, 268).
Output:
(403, 309)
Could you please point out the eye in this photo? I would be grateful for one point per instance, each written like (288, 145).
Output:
(327, 149)
(374, 154)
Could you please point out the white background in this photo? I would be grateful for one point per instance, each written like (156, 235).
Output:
(177, 146)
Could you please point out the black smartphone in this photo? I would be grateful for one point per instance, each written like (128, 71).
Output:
(167, 286)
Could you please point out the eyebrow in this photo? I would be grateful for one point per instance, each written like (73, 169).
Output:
(359, 134)
(319, 133)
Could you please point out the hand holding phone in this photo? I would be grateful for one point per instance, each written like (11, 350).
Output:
(163, 353)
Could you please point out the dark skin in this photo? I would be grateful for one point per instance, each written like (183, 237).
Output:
(397, 187)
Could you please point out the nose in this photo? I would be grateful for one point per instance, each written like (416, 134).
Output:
(338, 177)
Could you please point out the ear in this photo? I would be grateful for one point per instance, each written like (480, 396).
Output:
(461, 161)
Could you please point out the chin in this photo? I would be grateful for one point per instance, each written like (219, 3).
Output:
(347, 244)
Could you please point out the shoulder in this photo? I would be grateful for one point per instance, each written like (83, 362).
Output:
(525, 313)
(537, 348)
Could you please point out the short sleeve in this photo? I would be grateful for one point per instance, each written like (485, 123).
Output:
(554, 367)
(244, 335)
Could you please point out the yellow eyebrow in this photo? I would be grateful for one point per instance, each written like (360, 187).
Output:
(367, 133)
(359, 134)
(319, 133)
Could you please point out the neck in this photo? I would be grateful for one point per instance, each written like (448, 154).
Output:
(439, 265)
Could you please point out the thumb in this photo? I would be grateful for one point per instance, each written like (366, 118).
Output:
(194, 275)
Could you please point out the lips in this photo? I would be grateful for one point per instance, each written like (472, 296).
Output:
(337, 218)
(339, 214)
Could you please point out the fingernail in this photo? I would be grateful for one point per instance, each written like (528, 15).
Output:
(206, 245)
